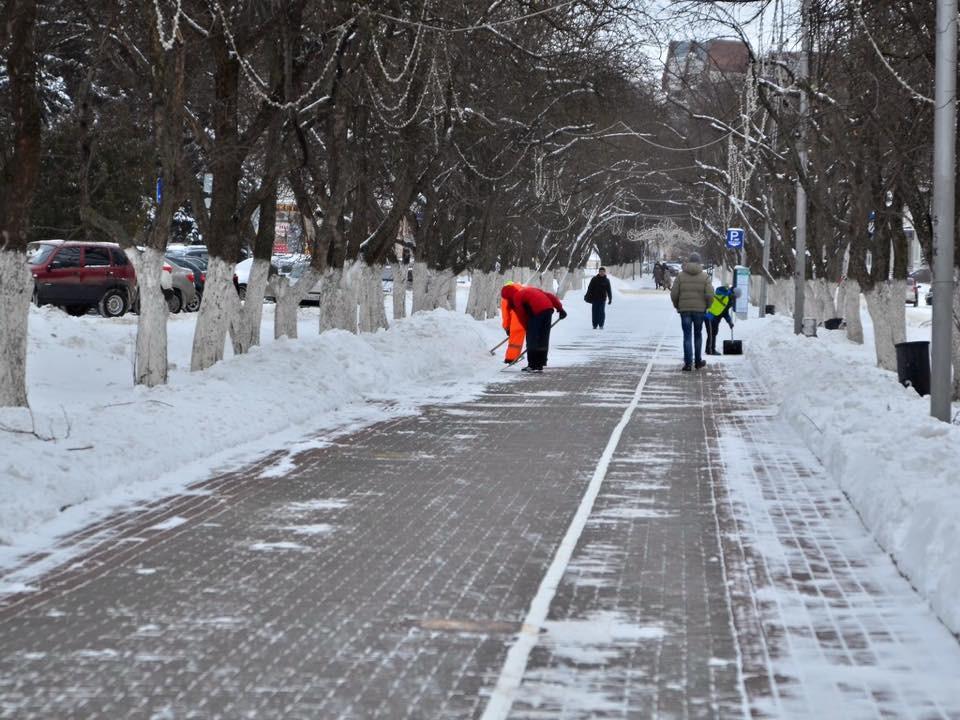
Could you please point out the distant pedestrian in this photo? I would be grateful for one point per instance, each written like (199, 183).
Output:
(692, 294)
(667, 280)
(534, 308)
(723, 301)
(599, 294)
(658, 275)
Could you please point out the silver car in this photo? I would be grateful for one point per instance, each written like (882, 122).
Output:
(183, 293)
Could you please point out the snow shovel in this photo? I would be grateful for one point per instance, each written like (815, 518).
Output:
(731, 346)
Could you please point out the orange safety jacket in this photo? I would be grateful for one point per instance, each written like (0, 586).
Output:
(511, 323)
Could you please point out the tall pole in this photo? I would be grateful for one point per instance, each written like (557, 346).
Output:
(800, 262)
(944, 167)
(765, 264)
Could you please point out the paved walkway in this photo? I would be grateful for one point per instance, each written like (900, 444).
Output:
(388, 573)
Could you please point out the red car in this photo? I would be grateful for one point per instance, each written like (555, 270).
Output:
(78, 276)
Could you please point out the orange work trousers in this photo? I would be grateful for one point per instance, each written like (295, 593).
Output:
(515, 343)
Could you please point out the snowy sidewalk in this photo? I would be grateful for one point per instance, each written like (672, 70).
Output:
(387, 573)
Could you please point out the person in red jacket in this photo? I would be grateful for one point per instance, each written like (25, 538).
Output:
(534, 307)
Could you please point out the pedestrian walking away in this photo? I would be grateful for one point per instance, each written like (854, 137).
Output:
(512, 325)
(599, 295)
(658, 275)
(692, 294)
(534, 309)
(720, 307)
(667, 280)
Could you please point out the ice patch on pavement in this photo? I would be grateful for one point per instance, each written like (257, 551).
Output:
(279, 545)
(169, 524)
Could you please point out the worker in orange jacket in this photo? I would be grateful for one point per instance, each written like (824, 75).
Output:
(513, 326)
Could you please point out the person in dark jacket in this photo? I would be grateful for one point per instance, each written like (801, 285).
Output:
(534, 307)
(723, 301)
(599, 294)
(658, 275)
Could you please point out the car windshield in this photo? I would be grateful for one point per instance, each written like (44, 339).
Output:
(39, 253)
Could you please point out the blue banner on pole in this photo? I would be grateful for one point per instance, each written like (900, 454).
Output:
(735, 238)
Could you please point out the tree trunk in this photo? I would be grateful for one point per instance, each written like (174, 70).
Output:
(451, 303)
(399, 294)
(888, 312)
(497, 281)
(18, 185)
(373, 316)
(851, 310)
(16, 286)
(476, 302)
(218, 310)
(289, 297)
(151, 364)
(432, 288)
(338, 300)
(246, 332)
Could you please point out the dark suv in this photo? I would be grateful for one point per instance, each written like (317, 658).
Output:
(78, 276)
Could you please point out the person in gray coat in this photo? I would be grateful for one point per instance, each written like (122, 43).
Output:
(692, 293)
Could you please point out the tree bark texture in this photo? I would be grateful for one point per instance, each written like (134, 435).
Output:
(888, 312)
(373, 315)
(16, 286)
(219, 308)
(851, 310)
(151, 364)
(19, 183)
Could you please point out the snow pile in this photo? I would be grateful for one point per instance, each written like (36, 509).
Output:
(899, 467)
(106, 442)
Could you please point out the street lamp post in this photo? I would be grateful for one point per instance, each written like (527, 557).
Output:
(944, 167)
(800, 262)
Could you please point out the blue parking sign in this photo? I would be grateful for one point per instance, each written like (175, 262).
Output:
(735, 237)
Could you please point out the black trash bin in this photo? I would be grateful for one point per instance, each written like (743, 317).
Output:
(913, 365)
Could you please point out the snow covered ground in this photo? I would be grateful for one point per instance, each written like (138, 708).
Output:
(106, 443)
(899, 467)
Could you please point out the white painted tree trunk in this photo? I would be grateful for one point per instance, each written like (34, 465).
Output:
(476, 300)
(495, 284)
(431, 288)
(851, 311)
(246, 332)
(888, 312)
(338, 300)
(16, 287)
(451, 303)
(565, 283)
(289, 296)
(218, 310)
(400, 293)
(150, 365)
(373, 316)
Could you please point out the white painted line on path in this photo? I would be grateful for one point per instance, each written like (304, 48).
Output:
(511, 675)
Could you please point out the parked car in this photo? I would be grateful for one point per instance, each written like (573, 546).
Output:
(674, 268)
(183, 292)
(912, 292)
(242, 275)
(198, 267)
(78, 276)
